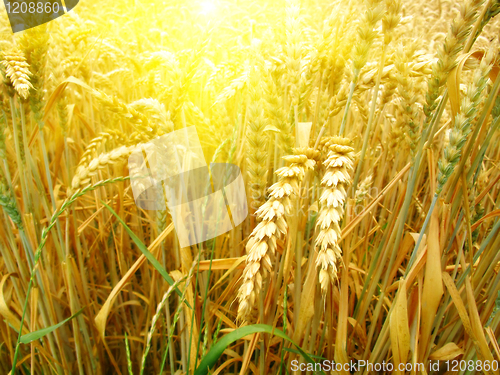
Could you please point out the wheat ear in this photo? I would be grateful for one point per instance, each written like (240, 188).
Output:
(84, 173)
(339, 163)
(17, 71)
(262, 243)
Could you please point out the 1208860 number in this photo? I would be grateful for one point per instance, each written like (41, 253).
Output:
(25, 14)
(456, 365)
(32, 7)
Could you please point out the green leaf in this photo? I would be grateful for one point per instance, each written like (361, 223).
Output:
(216, 351)
(298, 353)
(147, 253)
(32, 336)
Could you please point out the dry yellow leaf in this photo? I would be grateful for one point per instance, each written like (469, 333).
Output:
(306, 310)
(446, 352)
(5, 311)
(459, 304)
(433, 285)
(102, 316)
(484, 353)
(399, 328)
(304, 133)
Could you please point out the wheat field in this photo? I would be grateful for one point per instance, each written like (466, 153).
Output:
(367, 136)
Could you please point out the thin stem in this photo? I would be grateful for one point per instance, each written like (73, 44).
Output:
(370, 120)
(422, 231)
(45, 233)
(349, 100)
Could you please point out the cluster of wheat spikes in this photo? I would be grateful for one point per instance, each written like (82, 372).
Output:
(367, 133)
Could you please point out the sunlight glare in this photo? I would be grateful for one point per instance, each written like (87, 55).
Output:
(208, 7)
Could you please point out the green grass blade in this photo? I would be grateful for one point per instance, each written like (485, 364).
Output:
(298, 353)
(216, 351)
(36, 335)
(147, 253)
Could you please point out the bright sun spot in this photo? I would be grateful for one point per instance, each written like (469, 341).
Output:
(207, 7)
